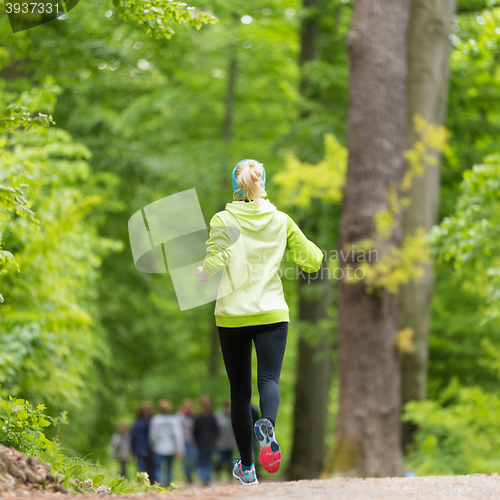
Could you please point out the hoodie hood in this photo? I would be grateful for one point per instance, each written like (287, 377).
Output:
(252, 215)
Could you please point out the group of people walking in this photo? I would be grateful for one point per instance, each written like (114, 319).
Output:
(202, 441)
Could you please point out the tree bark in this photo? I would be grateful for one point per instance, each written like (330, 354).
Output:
(368, 433)
(227, 132)
(215, 357)
(312, 386)
(427, 94)
(314, 363)
(309, 31)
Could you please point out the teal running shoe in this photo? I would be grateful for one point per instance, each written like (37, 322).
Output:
(270, 451)
(246, 477)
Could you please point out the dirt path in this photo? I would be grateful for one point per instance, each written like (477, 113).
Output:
(448, 487)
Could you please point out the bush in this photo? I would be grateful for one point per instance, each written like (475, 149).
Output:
(22, 427)
(458, 434)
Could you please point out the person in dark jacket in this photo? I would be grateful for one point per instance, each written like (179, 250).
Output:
(140, 441)
(205, 433)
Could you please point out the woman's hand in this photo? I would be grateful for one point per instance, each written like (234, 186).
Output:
(201, 275)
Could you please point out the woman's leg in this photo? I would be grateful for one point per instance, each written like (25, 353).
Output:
(236, 346)
(270, 344)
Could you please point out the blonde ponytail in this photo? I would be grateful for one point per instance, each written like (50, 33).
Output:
(249, 178)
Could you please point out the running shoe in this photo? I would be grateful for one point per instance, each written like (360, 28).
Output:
(270, 452)
(246, 477)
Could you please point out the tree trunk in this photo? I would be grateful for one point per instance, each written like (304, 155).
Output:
(215, 357)
(314, 363)
(312, 386)
(309, 31)
(227, 132)
(368, 433)
(427, 94)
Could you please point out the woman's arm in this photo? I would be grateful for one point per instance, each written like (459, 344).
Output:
(218, 249)
(304, 252)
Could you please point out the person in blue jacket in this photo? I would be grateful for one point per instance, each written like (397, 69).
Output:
(140, 441)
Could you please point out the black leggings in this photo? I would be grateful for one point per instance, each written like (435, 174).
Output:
(236, 346)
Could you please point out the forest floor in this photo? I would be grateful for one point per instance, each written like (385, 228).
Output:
(450, 487)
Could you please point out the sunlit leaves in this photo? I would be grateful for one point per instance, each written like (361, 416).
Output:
(16, 116)
(301, 182)
(399, 265)
(153, 14)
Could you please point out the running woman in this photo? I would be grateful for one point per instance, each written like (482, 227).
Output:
(256, 311)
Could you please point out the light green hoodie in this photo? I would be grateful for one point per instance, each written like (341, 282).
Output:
(265, 234)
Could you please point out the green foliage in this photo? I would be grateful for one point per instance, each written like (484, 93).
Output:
(83, 476)
(16, 116)
(49, 328)
(424, 153)
(469, 237)
(149, 115)
(474, 103)
(22, 426)
(458, 428)
(463, 311)
(458, 328)
(322, 104)
(300, 182)
(155, 132)
(458, 433)
(397, 265)
(15, 173)
(152, 14)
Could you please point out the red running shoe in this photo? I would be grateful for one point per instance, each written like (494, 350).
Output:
(270, 452)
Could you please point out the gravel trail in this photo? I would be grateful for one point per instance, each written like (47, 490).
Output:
(447, 487)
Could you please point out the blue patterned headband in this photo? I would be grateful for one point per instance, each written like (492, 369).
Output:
(240, 191)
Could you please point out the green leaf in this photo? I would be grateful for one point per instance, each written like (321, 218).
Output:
(98, 479)
(116, 482)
